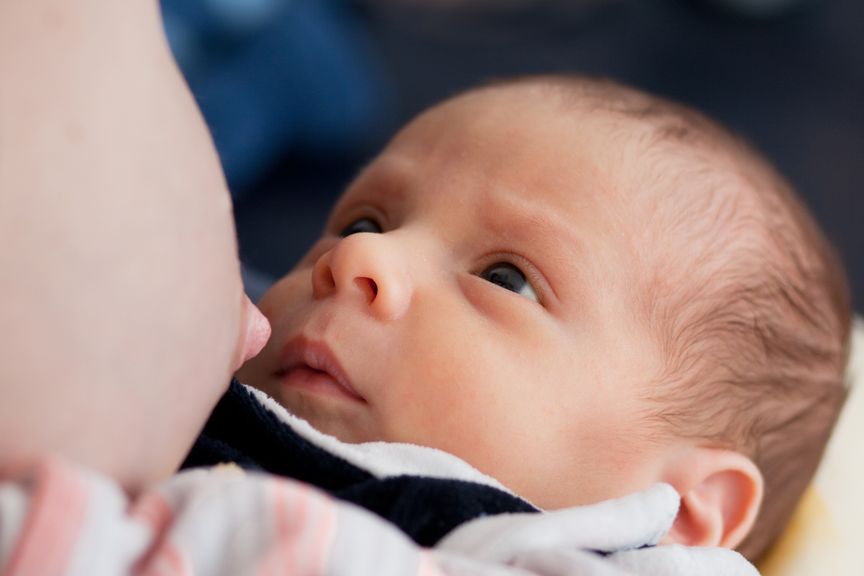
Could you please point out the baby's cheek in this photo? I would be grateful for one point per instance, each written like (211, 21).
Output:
(458, 402)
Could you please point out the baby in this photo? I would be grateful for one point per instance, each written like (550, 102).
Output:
(581, 290)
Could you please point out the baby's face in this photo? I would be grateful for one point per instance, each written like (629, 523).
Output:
(473, 291)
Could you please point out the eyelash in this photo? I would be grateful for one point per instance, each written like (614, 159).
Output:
(532, 276)
(355, 222)
(362, 213)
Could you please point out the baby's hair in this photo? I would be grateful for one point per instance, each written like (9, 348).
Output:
(743, 293)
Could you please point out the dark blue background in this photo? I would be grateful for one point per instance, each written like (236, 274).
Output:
(342, 75)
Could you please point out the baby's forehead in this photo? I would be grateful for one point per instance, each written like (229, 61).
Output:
(651, 159)
(627, 130)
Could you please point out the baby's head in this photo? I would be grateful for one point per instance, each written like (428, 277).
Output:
(581, 290)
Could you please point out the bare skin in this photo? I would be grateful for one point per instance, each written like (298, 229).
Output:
(123, 312)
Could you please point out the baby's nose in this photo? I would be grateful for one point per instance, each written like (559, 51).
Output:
(368, 266)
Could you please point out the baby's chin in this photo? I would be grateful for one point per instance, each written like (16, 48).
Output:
(346, 423)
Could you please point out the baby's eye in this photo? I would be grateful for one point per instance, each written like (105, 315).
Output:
(510, 278)
(361, 225)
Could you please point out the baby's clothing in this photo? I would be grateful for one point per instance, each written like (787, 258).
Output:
(61, 519)
(424, 491)
(439, 500)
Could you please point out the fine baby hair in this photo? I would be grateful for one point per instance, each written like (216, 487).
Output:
(699, 317)
(754, 316)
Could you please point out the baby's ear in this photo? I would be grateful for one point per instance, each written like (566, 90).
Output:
(721, 491)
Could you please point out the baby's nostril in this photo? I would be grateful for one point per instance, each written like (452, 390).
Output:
(368, 287)
(323, 281)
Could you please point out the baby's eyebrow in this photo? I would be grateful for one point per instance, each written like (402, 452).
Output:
(528, 216)
(548, 239)
(386, 179)
(373, 184)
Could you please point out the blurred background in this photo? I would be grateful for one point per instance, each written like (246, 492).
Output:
(299, 94)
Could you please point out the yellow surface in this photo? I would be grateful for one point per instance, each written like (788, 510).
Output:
(806, 546)
(825, 535)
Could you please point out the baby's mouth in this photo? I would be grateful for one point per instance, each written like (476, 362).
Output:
(311, 366)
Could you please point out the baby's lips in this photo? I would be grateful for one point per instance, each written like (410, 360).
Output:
(256, 334)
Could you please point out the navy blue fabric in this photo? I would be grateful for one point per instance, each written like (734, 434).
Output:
(242, 431)
(274, 77)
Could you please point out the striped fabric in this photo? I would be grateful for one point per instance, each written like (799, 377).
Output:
(60, 519)
(216, 521)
